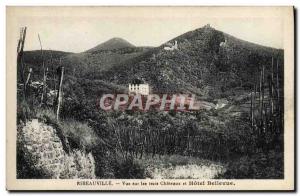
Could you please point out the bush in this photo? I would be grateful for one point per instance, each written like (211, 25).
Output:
(79, 134)
(23, 111)
(45, 114)
(128, 169)
(258, 166)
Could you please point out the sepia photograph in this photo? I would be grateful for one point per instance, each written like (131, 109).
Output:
(150, 98)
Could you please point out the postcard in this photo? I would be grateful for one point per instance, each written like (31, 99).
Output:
(150, 98)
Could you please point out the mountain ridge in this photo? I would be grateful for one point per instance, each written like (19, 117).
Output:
(208, 62)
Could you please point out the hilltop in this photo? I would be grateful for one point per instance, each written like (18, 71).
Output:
(112, 44)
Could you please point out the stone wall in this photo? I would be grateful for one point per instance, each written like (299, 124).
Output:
(47, 153)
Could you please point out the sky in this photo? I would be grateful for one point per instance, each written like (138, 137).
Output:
(77, 30)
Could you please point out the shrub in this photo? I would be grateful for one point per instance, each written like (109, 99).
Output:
(128, 169)
(257, 166)
(45, 114)
(79, 134)
(23, 111)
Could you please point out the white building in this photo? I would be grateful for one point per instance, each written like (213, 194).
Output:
(223, 44)
(142, 89)
(173, 47)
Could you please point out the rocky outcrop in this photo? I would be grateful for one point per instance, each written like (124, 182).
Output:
(46, 152)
